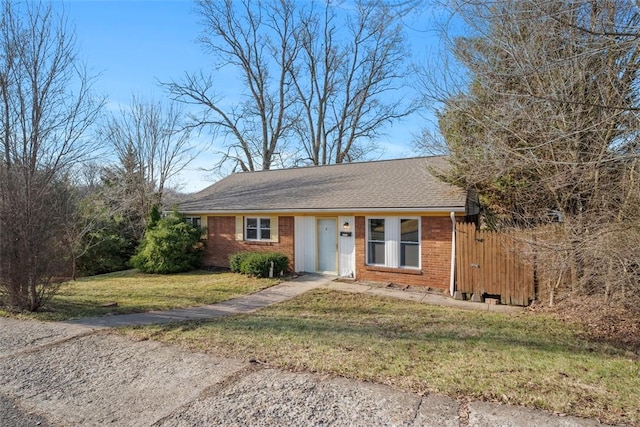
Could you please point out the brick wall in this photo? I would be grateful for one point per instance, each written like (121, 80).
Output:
(436, 256)
(221, 241)
(436, 250)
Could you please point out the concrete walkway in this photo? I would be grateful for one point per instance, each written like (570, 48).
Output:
(417, 295)
(276, 294)
(246, 304)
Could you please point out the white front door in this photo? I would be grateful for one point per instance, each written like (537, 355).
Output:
(346, 247)
(327, 245)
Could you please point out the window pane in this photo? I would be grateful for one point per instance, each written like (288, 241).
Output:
(409, 255)
(252, 222)
(376, 253)
(409, 230)
(376, 229)
(252, 233)
(265, 223)
(265, 234)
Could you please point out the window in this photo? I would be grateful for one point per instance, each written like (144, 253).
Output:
(409, 243)
(393, 242)
(258, 229)
(375, 242)
(196, 221)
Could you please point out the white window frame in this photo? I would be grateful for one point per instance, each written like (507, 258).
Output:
(418, 243)
(192, 219)
(368, 231)
(259, 237)
(393, 242)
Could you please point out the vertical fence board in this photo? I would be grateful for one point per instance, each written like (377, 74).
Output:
(487, 262)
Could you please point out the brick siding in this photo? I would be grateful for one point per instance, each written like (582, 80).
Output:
(435, 262)
(221, 241)
(435, 247)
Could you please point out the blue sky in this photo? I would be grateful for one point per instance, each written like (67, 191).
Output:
(134, 44)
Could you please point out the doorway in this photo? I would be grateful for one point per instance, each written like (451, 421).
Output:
(327, 245)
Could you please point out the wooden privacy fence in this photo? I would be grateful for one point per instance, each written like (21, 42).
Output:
(490, 263)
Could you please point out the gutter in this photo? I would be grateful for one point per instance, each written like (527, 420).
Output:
(323, 211)
(452, 279)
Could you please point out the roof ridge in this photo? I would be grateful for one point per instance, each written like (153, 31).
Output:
(340, 164)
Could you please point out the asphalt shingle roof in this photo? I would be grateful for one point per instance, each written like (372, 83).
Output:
(385, 184)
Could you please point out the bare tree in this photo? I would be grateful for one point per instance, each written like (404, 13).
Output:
(257, 40)
(45, 110)
(347, 76)
(153, 146)
(320, 79)
(546, 130)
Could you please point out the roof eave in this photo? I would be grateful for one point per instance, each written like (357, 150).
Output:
(446, 209)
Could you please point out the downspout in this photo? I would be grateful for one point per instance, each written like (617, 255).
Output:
(452, 279)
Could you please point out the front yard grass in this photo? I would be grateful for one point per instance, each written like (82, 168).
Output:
(525, 359)
(137, 292)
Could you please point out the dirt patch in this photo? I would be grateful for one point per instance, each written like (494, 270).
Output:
(616, 322)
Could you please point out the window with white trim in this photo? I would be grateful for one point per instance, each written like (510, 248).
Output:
(409, 243)
(196, 221)
(393, 242)
(375, 241)
(257, 228)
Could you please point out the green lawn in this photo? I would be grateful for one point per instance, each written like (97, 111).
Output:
(137, 292)
(524, 359)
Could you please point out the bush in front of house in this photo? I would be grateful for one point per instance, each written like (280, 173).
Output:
(171, 246)
(258, 264)
(236, 260)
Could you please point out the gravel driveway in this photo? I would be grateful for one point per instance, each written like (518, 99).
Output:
(57, 375)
